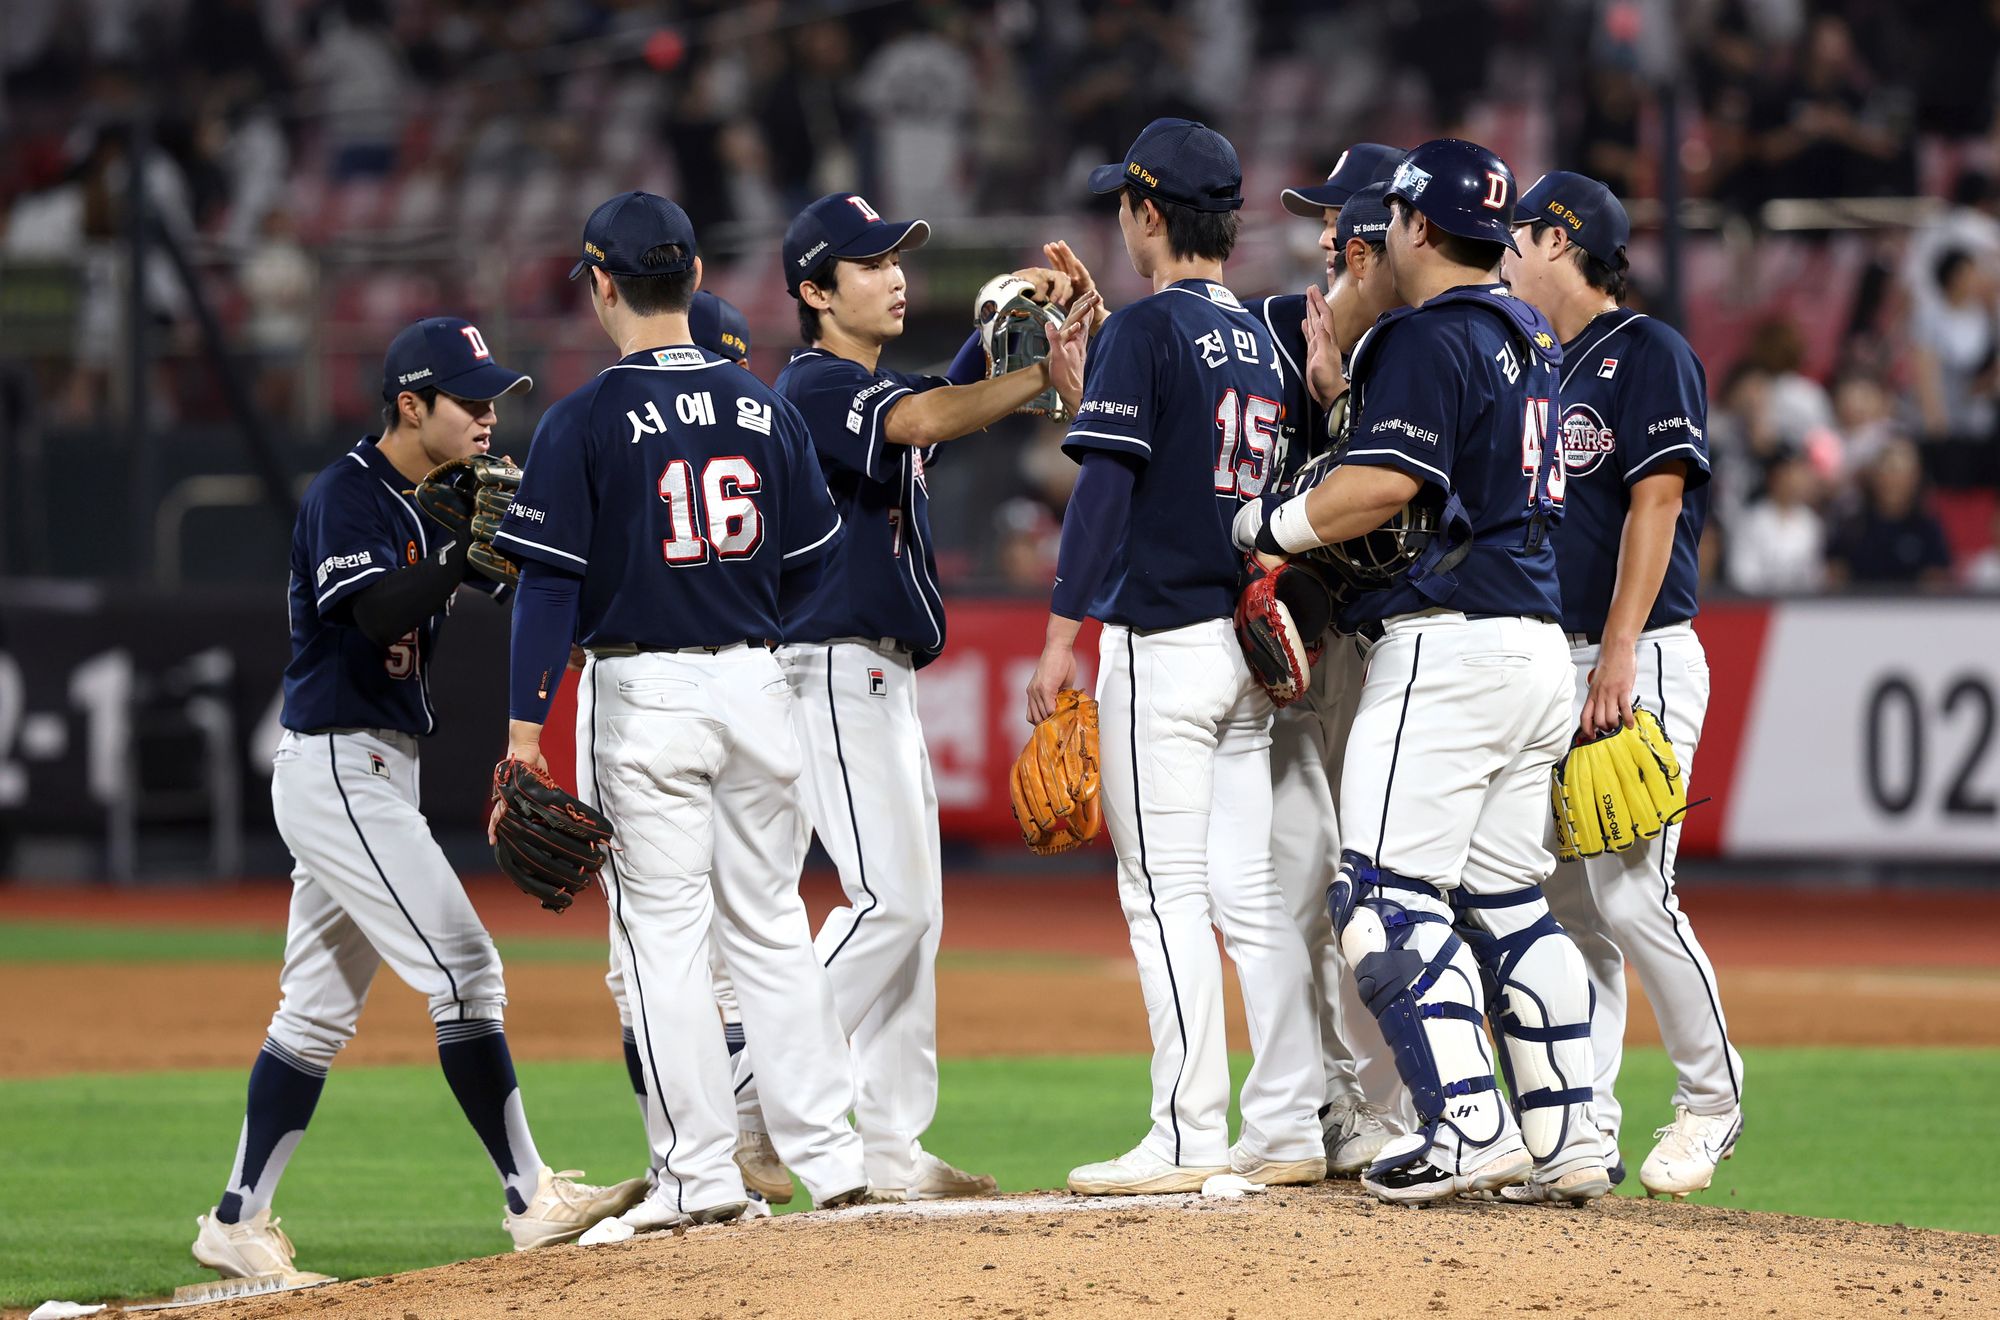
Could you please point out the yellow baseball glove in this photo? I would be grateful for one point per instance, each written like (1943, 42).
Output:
(1616, 789)
(1055, 779)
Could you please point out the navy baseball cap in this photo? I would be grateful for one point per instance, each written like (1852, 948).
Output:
(449, 354)
(844, 225)
(629, 226)
(718, 327)
(1179, 161)
(1582, 207)
(1360, 165)
(1365, 215)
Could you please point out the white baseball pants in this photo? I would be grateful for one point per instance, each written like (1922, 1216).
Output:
(1621, 907)
(1185, 750)
(691, 755)
(369, 886)
(1447, 783)
(868, 791)
(1308, 742)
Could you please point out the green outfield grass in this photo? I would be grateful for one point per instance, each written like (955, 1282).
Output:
(105, 1174)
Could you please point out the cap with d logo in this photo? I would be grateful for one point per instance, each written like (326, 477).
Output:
(1360, 165)
(448, 354)
(844, 225)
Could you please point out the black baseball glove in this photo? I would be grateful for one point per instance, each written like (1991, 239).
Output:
(550, 843)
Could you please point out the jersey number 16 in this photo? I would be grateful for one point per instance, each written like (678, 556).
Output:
(722, 508)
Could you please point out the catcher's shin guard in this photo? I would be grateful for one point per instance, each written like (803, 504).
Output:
(1419, 980)
(1539, 1003)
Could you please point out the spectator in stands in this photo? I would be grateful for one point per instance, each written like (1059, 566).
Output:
(1777, 546)
(355, 69)
(918, 92)
(1742, 443)
(278, 281)
(1863, 415)
(1893, 539)
(1828, 130)
(1955, 349)
(1797, 404)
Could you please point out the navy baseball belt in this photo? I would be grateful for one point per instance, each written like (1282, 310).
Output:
(631, 648)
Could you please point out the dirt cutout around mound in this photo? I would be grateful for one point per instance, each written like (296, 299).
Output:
(1323, 1251)
(99, 1017)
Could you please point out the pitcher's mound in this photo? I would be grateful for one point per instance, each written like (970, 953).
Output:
(1323, 1251)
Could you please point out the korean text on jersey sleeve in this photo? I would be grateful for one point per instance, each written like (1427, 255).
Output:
(1663, 411)
(811, 522)
(349, 540)
(1117, 411)
(846, 407)
(555, 509)
(1410, 407)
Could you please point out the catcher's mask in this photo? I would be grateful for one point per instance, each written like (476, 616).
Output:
(1014, 329)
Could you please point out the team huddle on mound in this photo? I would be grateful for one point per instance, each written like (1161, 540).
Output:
(1360, 595)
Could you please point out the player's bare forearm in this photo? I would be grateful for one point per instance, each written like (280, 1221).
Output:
(1354, 500)
(951, 411)
(1645, 548)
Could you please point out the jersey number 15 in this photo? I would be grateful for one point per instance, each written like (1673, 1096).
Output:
(721, 508)
(1254, 422)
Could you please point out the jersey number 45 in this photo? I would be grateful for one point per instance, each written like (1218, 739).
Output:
(719, 517)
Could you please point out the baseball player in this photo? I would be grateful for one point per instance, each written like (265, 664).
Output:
(372, 580)
(1464, 708)
(666, 508)
(1634, 445)
(852, 652)
(1364, 1101)
(717, 326)
(1178, 425)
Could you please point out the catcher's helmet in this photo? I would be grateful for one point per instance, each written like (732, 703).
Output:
(1460, 187)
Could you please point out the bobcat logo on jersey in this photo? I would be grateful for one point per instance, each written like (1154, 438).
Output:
(1586, 440)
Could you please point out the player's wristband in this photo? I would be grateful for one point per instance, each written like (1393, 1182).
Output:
(1289, 530)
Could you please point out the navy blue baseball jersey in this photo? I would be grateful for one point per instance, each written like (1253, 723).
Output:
(358, 523)
(679, 487)
(1302, 435)
(1186, 382)
(1460, 393)
(881, 581)
(1634, 397)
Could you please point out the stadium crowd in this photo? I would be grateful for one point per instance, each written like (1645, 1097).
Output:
(1855, 408)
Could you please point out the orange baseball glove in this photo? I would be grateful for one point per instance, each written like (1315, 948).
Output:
(1055, 778)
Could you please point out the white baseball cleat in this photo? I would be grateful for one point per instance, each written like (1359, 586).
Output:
(561, 1210)
(1138, 1172)
(656, 1214)
(246, 1250)
(1275, 1173)
(763, 1172)
(937, 1180)
(1354, 1137)
(1416, 1170)
(1577, 1187)
(1690, 1148)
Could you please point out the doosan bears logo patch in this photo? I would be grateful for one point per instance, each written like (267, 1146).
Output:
(1586, 440)
(878, 683)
